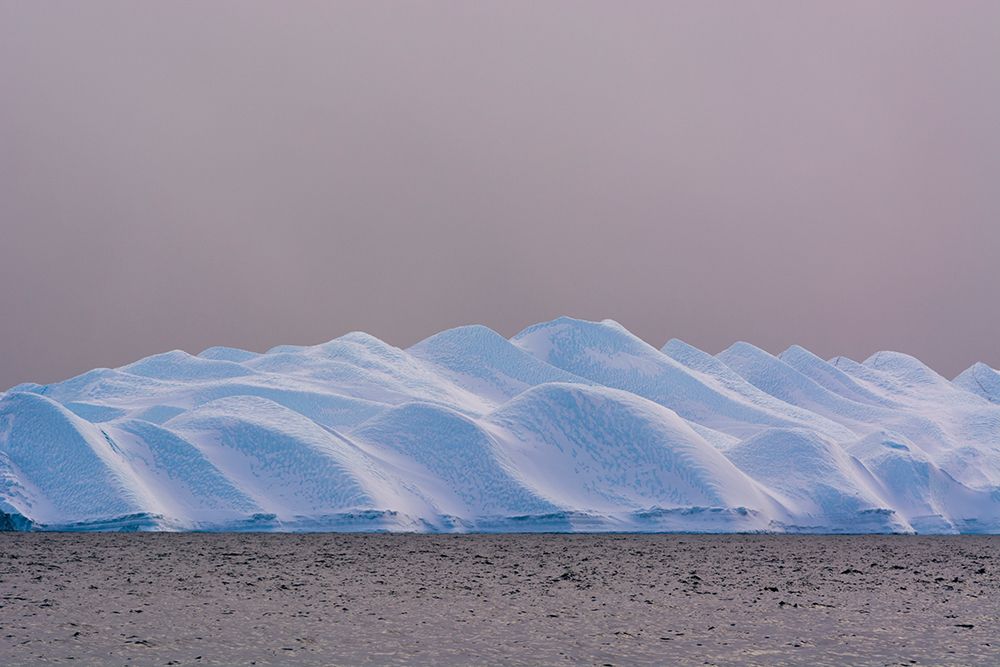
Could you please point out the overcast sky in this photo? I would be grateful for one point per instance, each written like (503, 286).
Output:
(180, 175)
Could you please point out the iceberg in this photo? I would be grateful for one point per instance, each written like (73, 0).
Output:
(570, 425)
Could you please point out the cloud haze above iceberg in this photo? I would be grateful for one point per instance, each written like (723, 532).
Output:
(252, 173)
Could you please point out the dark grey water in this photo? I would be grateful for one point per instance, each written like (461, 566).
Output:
(196, 599)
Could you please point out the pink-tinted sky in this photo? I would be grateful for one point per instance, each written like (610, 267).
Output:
(179, 174)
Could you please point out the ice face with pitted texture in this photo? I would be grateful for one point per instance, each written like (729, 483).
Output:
(568, 426)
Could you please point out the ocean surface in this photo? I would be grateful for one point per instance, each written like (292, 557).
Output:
(375, 599)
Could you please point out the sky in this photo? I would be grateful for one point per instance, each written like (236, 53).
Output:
(182, 175)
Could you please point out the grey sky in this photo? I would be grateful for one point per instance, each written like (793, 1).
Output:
(191, 174)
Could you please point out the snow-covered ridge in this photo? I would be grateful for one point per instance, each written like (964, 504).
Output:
(568, 426)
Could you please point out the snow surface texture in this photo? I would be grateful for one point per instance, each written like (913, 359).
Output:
(568, 426)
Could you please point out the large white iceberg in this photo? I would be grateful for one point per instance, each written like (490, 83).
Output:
(568, 426)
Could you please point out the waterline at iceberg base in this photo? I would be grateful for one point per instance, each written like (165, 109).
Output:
(568, 426)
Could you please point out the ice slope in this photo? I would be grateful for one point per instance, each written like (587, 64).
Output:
(58, 468)
(833, 489)
(982, 380)
(731, 381)
(832, 378)
(939, 419)
(220, 353)
(608, 354)
(482, 361)
(287, 464)
(658, 460)
(452, 461)
(920, 492)
(570, 425)
(781, 380)
(363, 366)
(179, 365)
